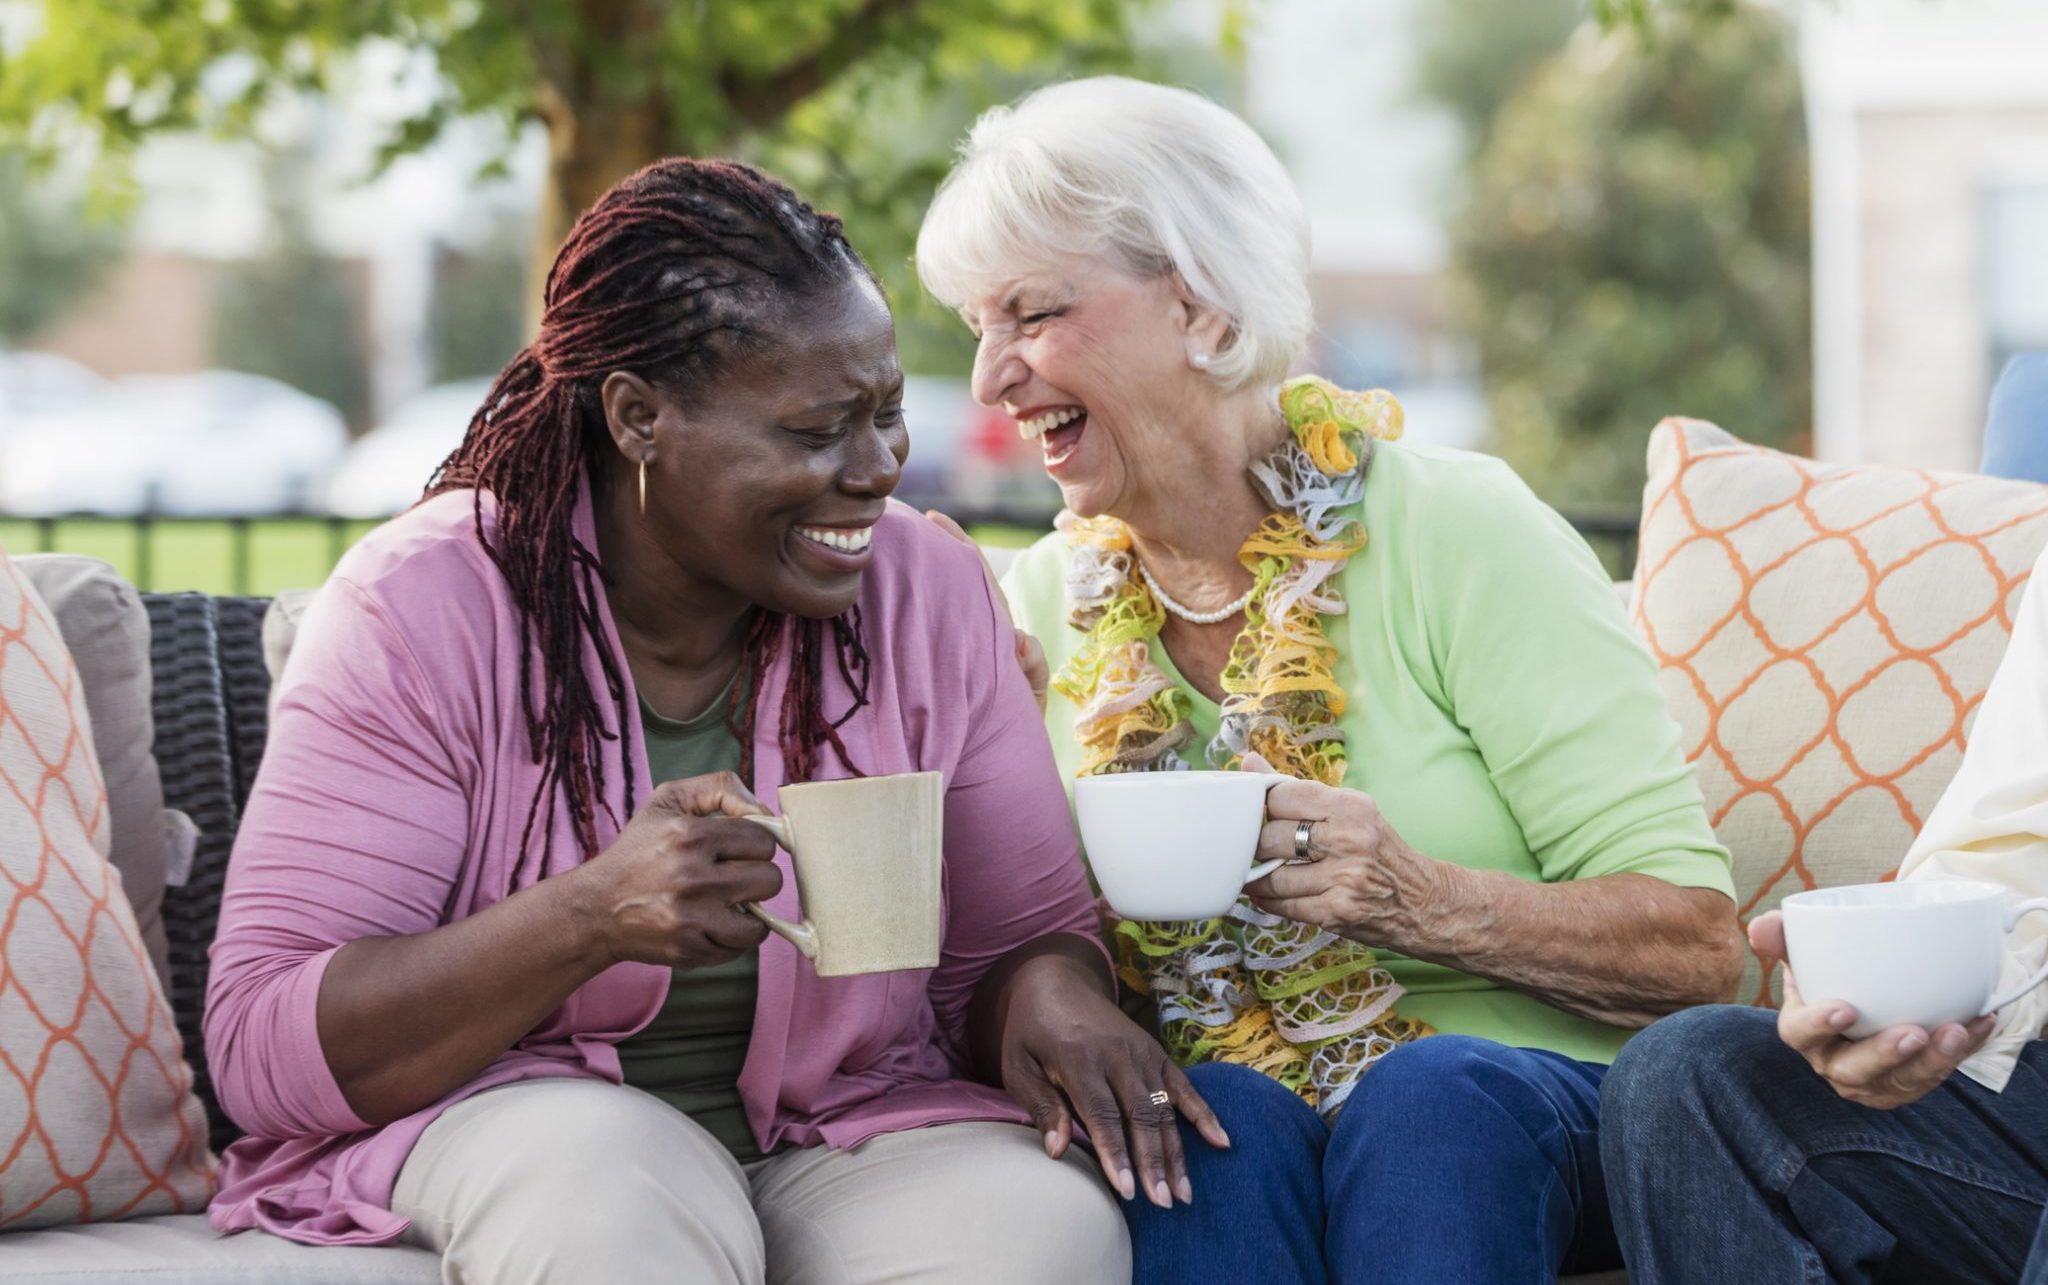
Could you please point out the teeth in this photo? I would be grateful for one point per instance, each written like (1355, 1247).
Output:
(1040, 425)
(844, 541)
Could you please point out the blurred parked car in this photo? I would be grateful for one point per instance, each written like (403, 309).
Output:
(209, 442)
(35, 383)
(387, 469)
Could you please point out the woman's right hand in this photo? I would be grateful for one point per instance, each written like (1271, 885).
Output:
(668, 889)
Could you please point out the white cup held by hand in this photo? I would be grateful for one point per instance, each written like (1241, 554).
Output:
(1908, 953)
(1173, 845)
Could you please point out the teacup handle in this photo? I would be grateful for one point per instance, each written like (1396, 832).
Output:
(803, 936)
(1264, 868)
(2012, 919)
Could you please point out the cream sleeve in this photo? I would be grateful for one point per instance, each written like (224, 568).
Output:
(1992, 822)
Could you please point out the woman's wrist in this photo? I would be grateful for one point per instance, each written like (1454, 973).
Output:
(1426, 908)
(576, 901)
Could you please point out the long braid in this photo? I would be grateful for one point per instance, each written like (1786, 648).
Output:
(667, 275)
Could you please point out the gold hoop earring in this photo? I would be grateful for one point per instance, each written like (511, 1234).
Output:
(643, 487)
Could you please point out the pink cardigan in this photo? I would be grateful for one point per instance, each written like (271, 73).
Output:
(392, 796)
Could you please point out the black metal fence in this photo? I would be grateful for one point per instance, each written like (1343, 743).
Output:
(244, 554)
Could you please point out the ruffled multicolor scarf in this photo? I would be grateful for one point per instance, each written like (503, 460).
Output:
(1309, 1008)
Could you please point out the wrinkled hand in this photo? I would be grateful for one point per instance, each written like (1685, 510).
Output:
(1896, 1066)
(1359, 874)
(667, 890)
(1030, 655)
(1068, 1051)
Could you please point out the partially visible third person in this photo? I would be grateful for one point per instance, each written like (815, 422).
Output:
(1495, 836)
(1747, 1146)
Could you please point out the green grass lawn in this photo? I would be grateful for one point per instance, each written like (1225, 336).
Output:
(280, 553)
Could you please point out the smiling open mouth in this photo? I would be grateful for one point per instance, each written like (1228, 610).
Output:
(841, 539)
(1058, 432)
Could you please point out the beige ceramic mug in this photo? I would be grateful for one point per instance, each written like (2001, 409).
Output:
(867, 853)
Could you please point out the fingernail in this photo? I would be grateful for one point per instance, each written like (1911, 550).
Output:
(1841, 1019)
(1951, 1041)
(1161, 1196)
(1126, 1185)
(1912, 1042)
(1186, 1192)
(1226, 1134)
(1052, 1142)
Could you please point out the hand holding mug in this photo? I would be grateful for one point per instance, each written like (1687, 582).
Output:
(668, 889)
(1895, 1066)
(1344, 867)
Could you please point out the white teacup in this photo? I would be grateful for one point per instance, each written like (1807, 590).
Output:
(1905, 953)
(1173, 845)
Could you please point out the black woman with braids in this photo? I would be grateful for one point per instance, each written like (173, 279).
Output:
(481, 981)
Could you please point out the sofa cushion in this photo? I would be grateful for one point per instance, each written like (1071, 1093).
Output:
(1824, 634)
(97, 1117)
(100, 617)
(180, 1249)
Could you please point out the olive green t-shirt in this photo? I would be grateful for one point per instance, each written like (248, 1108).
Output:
(1500, 711)
(691, 1054)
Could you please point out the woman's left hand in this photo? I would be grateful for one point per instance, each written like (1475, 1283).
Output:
(1068, 1051)
(1360, 880)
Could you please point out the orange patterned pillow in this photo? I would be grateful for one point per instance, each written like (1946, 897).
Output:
(1824, 634)
(97, 1117)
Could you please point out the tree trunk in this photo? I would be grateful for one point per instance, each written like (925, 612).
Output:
(590, 147)
(603, 122)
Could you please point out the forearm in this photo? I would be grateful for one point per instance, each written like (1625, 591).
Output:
(1621, 949)
(986, 1014)
(405, 1020)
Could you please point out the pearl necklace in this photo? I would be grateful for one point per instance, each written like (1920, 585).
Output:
(1222, 613)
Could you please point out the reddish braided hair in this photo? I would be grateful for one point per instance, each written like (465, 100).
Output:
(671, 273)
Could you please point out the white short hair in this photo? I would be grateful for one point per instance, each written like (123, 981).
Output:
(1152, 180)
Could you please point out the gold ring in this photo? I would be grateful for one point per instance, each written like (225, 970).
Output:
(1161, 1098)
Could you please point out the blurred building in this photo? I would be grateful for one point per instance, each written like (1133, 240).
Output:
(1929, 126)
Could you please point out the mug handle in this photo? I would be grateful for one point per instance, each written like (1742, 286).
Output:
(803, 936)
(2012, 918)
(1264, 868)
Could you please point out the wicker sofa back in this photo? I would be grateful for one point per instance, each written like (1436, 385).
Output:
(210, 696)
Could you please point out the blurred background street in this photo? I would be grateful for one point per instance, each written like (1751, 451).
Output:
(259, 260)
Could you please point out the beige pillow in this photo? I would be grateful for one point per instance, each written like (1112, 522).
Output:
(97, 1116)
(1824, 634)
(106, 630)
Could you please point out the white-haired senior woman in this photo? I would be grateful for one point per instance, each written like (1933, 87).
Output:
(1499, 843)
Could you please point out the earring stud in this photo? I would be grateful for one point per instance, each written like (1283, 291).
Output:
(1201, 360)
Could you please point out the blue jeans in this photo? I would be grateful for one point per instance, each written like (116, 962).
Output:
(1457, 1161)
(1728, 1159)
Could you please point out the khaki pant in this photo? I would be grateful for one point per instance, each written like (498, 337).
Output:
(562, 1181)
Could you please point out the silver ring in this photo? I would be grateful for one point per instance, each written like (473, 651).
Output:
(1160, 1098)
(1301, 829)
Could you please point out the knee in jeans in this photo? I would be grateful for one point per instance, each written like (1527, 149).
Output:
(1678, 1064)
(1253, 1105)
(1424, 1074)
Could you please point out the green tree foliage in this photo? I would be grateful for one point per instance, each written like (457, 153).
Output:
(1472, 55)
(858, 101)
(1634, 244)
(52, 249)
